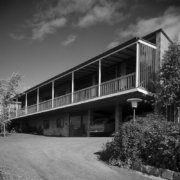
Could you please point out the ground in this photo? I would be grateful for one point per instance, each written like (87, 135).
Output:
(31, 157)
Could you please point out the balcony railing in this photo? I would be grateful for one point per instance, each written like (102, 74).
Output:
(45, 105)
(109, 87)
(85, 94)
(62, 100)
(32, 109)
(21, 112)
(119, 84)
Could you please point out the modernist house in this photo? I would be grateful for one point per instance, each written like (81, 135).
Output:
(92, 97)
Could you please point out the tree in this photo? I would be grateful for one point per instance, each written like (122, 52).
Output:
(168, 86)
(9, 88)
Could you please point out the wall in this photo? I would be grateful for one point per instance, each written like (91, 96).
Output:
(52, 130)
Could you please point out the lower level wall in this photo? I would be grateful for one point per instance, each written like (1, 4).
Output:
(54, 125)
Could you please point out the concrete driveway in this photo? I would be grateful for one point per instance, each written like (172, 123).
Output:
(31, 157)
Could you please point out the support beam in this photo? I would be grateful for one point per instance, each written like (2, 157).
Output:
(118, 117)
(72, 87)
(37, 99)
(26, 103)
(89, 119)
(52, 94)
(137, 65)
(99, 79)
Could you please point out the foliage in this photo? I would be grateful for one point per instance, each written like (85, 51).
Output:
(168, 85)
(151, 141)
(8, 89)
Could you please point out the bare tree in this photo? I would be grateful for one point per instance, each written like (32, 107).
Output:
(9, 88)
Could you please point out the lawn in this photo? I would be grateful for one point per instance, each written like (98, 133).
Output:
(31, 157)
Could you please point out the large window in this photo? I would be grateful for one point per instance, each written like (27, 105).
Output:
(46, 124)
(60, 122)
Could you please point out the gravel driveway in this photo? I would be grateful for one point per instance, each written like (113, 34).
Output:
(31, 157)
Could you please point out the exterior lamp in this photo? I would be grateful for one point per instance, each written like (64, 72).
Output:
(134, 104)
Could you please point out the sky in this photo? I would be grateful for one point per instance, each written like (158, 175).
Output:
(42, 38)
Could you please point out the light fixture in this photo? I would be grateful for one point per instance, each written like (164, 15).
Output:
(134, 104)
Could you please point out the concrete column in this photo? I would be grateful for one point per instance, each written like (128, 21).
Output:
(89, 118)
(52, 94)
(72, 88)
(118, 116)
(37, 99)
(26, 103)
(137, 64)
(99, 79)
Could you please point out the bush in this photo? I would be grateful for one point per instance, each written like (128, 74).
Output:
(151, 141)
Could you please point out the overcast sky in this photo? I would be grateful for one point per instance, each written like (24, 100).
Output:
(42, 38)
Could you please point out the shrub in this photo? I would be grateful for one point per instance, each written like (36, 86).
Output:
(151, 141)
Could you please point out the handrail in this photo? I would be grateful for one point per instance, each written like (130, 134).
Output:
(62, 96)
(45, 101)
(85, 88)
(122, 77)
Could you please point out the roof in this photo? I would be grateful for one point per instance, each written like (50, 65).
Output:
(100, 56)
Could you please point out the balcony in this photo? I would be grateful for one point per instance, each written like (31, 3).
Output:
(127, 68)
(109, 87)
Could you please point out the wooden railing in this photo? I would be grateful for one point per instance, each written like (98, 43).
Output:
(21, 112)
(32, 109)
(109, 87)
(45, 105)
(12, 113)
(62, 100)
(116, 85)
(87, 93)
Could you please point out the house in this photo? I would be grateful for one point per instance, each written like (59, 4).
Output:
(91, 98)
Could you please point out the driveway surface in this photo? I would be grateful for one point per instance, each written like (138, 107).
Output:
(31, 157)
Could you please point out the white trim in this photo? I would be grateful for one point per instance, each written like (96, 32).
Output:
(26, 103)
(99, 79)
(147, 44)
(72, 87)
(52, 94)
(137, 64)
(142, 90)
(37, 99)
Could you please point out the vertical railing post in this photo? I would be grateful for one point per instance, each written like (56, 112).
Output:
(52, 94)
(99, 80)
(37, 99)
(26, 103)
(72, 88)
(137, 64)
(16, 107)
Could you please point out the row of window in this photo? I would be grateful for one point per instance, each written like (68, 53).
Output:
(59, 123)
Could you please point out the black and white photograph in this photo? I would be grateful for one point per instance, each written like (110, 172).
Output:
(89, 89)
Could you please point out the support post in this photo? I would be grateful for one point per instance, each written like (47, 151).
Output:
(52, 94)
(118, 116)
(26, 103)
(137, 64)
(37, 99)
(16, 107)
(4, 131)
(72, 88)
(89, 121)
(99, 79)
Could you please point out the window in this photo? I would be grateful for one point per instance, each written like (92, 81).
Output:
(60, 122)
(46, 124)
